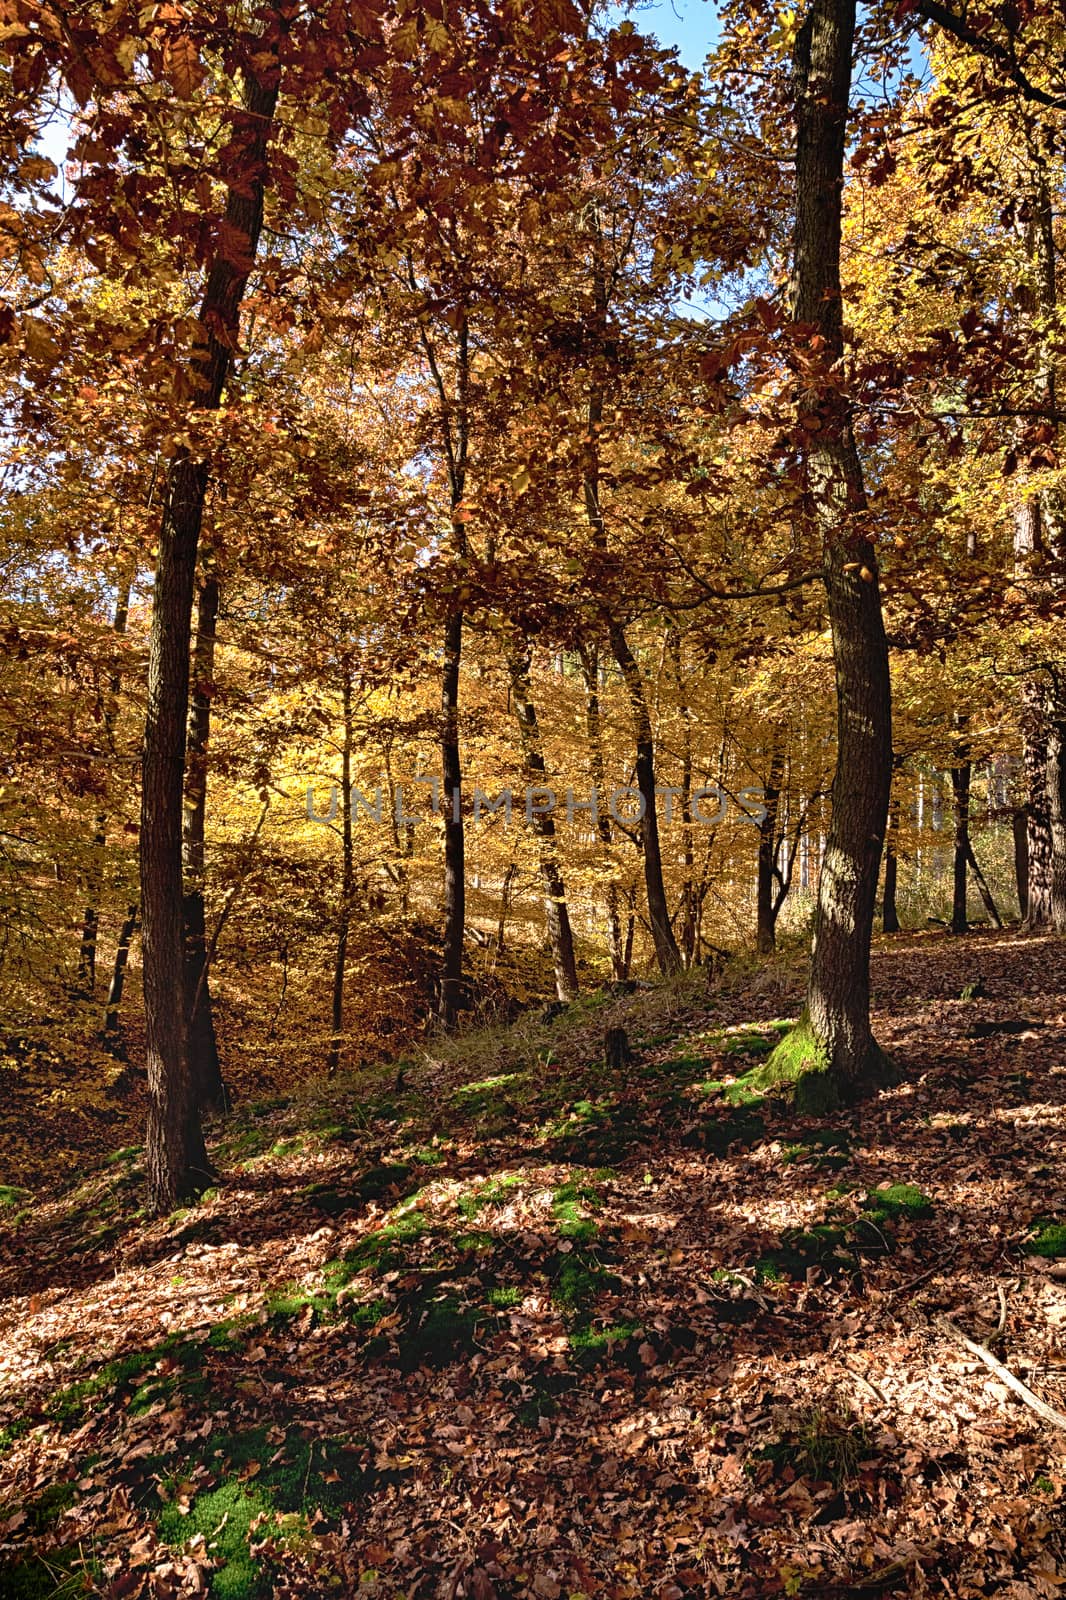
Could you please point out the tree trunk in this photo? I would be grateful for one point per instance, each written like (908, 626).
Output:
(889, 909)
(765, 909)
(1056, 793)
(666, 951)
(1020, 830)
(91, 922)
(344, 914)
(1039, 913)
(452, 995)
(560, 936)
(204, 1068)
(687, 908)
(983, 890)
(834, 1033)
(960, 789)
(590, 668)
(118, 972)
(175, 1157)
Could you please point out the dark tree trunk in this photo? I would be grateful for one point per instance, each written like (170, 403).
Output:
(505, 904)
(557, 916)
(344, 914)
(687, 908)
(889, 909)
(983, 890)
(452, 995)
(202, 1045)
(590, 669)
(666, 951)
(1020, 829)
(1056, 793)
(175, 1157)
(118, 972)
(1039, 911)
(960, 789)
(835, 1033)
(765, 898)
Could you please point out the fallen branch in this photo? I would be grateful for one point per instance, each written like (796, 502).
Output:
(1057, 1419)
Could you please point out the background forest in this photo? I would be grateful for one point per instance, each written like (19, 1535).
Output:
(458, 347)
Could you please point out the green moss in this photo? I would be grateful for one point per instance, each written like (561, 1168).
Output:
(821, 1246)
(1048, 1240)
(12, 1431)
(493, 1193)
(898, 1201)
(13, 1198)
(223, 1517)
(258, 1481)
(438, 1331)
(476, 1241)
(568, 1202)
(428, 1157)
(800, 1061)
(799, 1064)
(121, 1377)
(59, 1575)
(828, 1149)
(48, 1506)
(578, 1279)
(589, 1345)
(505, 1296)
(381, 1251)
(132, 1152)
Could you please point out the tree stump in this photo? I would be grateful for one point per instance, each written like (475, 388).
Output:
(617, 1052)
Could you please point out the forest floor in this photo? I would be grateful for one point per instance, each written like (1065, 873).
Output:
(499, 1323)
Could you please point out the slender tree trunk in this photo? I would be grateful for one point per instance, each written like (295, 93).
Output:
(344, 914)
(687, 908)
(118, 971)
(175, 1156)
(560, 936)
(1056, 793)
(889, 909)
(505, 904)
(590, 668)
(765, 913)
(204, 1066)
(835, 1033)
(983, 890)
(1020, 830)
(91, 922)
(666, 951)
(960, 788)
(1039, 915)
(452, 987)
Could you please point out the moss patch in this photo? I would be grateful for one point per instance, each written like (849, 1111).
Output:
(59, 1575)
(898, 1202)
(178, 1359)
(1048, 1240)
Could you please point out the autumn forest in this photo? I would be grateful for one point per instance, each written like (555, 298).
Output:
(532, 799)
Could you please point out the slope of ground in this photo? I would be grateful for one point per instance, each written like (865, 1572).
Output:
(499, 1322)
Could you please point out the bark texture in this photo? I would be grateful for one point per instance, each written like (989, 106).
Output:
(835, 1035)
(204, 1066)
(175, 1157)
